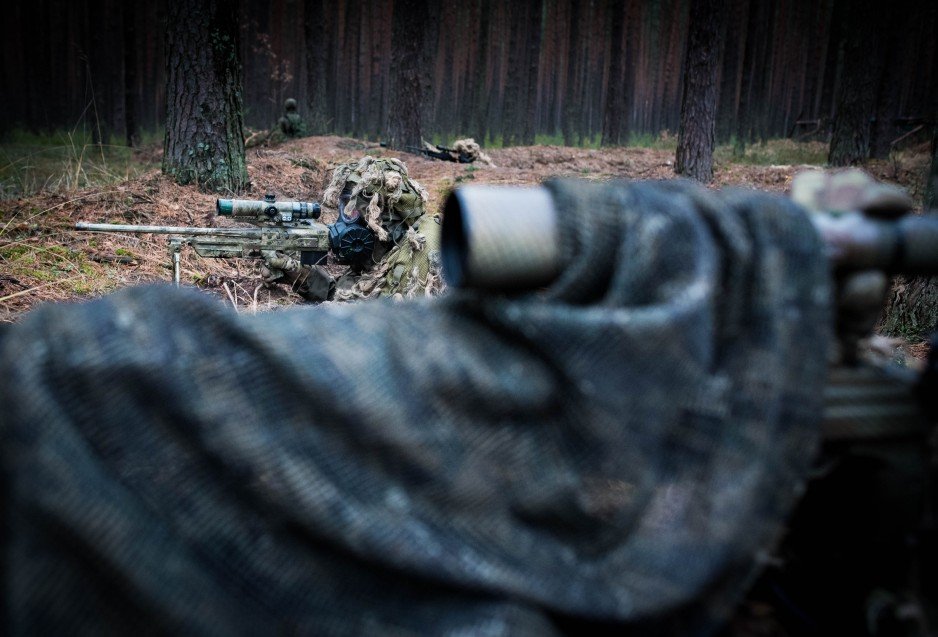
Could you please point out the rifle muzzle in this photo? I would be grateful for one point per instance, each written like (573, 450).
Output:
(500, 238)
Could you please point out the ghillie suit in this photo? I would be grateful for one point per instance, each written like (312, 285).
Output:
(406, 260)
(379, 194)
(471, 149)
(463, 151)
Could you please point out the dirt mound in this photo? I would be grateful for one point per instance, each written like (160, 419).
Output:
(43, 258)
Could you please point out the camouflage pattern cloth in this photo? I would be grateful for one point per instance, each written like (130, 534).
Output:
(290, 125)
(860, 296)
(463, 151)
(617, 452)
(312, 283)
(409, 269)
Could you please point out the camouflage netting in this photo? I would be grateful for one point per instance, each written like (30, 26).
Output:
(618, 450)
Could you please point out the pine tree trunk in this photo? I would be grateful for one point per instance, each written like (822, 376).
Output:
(409, 23)
(132, 132)
(204, 141)
(528, 123)
(318, 41)
(613, 114)
(571, 105)
(887, 102)
(698, 108)
(480, 99)
(856, 101)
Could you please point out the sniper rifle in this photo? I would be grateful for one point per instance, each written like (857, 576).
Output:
(286, 226)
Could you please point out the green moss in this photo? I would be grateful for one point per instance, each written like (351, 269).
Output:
(13, 253)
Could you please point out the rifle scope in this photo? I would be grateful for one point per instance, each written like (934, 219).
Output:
(507, 238)
(268, 210)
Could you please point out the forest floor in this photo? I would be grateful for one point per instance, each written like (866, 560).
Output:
(42, 258)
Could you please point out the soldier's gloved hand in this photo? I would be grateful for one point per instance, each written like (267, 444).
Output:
(860, 296)
(276, 264)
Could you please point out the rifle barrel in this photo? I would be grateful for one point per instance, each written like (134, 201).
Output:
(255, 232)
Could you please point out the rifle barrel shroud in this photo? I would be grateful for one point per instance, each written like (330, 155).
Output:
(507, 239)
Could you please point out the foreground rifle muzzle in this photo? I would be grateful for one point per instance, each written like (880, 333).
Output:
(500, 238)
(507, 238)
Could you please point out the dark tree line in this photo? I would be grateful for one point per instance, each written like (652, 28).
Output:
(573, 70)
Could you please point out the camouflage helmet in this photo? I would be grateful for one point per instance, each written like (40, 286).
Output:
(290, 104)
(391, 202)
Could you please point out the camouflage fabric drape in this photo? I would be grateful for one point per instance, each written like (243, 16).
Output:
(616, 451)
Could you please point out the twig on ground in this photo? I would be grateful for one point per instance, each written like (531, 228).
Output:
(231, 296)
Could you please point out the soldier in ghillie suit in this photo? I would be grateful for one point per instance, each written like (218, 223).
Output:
(463, 151)
(380, 195)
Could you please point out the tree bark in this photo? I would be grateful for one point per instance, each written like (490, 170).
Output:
(698, 108)
(132, 127)
(480, 100)
(318, 42)
(913, 309)
(856, 101)
(204, 141)
(613, 114)
(887, 100)
(572, 103)
(528, 123)
(409, 24)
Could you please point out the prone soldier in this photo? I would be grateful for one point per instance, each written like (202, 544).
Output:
(395, 244)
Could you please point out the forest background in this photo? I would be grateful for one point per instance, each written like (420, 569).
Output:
(529, 71)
